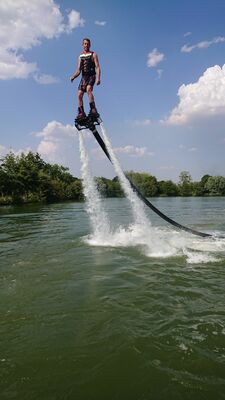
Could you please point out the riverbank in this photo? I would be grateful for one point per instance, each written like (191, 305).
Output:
(27, 178)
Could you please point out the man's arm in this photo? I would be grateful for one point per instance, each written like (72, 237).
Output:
(77, 72)
(98, 70)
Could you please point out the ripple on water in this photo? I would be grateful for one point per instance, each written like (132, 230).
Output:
(137, 314)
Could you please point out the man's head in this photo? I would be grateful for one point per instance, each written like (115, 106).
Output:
(86, 44)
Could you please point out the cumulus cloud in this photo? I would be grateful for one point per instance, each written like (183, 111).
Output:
(74, 21)
(154, 58)
(14, 66)
(100, 23)
(202, 45)
(55, 129)
(48, 149)
(25, 24)
(56, 141)
(204, 98)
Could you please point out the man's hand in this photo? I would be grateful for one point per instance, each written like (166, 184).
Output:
(98, 82)
(72, 79)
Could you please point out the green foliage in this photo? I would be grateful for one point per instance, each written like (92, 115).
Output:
(28, 178)
(215, 185)
(168, 188)
(146, 183)
(108, 187)
(185, 184)
(198, 189)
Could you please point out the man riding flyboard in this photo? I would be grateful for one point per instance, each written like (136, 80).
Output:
(88, 64)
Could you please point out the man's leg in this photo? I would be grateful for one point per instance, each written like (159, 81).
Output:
(81, 113)
(91, 99)
(80, 98)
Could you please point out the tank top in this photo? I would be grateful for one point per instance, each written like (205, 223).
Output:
(87, 64)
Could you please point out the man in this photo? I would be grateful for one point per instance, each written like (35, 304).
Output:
(88, 64)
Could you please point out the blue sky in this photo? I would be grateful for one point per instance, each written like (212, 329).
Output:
(162, 93)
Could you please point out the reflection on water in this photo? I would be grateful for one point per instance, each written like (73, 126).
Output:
(139, 315)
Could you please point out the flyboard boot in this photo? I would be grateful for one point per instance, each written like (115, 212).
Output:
(81, 114)
(81, 119)
(87, 122)
(93, 113)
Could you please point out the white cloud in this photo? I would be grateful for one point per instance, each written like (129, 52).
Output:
(48, 149)
(159, 72)
(187, 34)
(14, 66)
(133, 151)
(74, 20)
(56, 141)
(100, 23)
(143, 122)
(128, 150)
(45, 79)
(191, 149)
(204, 98)
(154, 58)
(5, 150)
(25, 24)
(55, 129)
(202, 45)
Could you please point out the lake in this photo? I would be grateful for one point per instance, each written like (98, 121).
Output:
(135, 312)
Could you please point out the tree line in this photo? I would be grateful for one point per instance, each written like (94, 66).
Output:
(27, 178)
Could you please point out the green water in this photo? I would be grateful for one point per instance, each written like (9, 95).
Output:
(80, 321)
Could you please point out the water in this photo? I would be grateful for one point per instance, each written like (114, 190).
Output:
(94, 205)
(137, 206)
(125, 318)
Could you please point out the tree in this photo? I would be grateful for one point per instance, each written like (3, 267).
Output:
(203, 183)
(198, 189)
(185, 183)
(75, 191)
(147, 184)
(215, 186)
(27, 177)
(168, 188)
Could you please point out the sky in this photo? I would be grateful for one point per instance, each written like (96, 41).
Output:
(162, 92)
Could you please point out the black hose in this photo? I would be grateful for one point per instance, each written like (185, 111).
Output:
(143, 198)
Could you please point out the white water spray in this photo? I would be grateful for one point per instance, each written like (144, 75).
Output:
(151, 241)
(137, 207)
(95, 210)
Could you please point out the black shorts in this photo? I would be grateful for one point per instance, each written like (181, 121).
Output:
(85, 81)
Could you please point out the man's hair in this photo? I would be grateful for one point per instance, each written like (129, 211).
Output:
(88, 40)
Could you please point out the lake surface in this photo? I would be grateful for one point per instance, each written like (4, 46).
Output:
(137, 313)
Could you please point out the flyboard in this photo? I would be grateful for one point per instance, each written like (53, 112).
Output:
(90, 122)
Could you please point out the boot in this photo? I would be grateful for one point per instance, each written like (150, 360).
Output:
(81, 114)
(93, 111)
